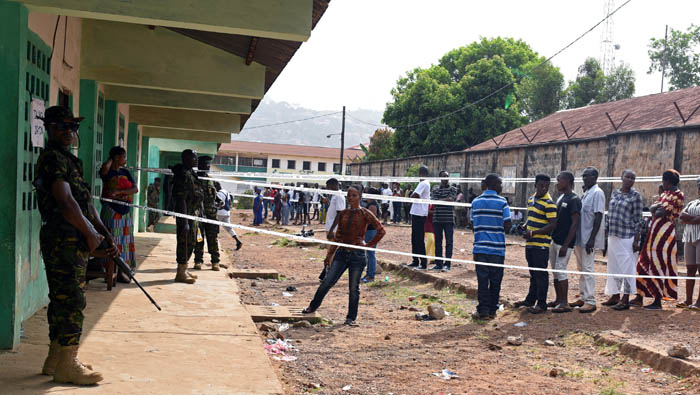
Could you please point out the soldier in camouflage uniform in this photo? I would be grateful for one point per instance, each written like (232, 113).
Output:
(210, 232)
(153, 201)
(71, 229)
(187, 193)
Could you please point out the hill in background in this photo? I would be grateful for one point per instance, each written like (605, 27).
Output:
(311, 132)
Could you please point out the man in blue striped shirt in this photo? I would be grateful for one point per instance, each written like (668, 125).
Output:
(490, 215)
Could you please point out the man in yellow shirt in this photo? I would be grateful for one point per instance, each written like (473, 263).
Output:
(541, 221)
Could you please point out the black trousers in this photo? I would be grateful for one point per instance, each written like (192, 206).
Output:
(539, 280)
(418, 238)
(447, 229)
(397, 212)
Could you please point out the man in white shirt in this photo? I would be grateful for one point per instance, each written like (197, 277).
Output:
(386, 191)
(419, 213)
(590, 237)
(223, 213)
(336, 204)
(315, 202)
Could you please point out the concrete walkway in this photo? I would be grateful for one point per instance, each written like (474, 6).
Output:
(203, 342)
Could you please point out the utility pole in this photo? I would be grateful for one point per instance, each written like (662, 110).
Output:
(342, 143)
(663, 65)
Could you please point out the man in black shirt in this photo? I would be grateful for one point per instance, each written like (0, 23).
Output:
(443, 221)
(564, 239)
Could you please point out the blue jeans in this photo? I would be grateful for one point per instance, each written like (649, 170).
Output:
(489, 283)
(448, 229)
(371, 255)
(352, 260)
(292, 209)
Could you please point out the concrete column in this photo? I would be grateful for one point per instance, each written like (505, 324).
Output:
(236, 161)
(132, 160)
(111, 121)
(143, 181)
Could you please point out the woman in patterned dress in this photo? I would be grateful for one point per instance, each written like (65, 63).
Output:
(659, 254)
(691, 240)
(119, 185)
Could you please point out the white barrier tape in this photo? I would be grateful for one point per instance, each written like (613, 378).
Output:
(400, 253)
(328, 191)
(387, 179)
(341, 193)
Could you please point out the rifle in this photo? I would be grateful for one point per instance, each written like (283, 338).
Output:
(127, 269)
(39, 185)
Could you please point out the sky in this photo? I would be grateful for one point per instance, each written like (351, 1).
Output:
(360, 48)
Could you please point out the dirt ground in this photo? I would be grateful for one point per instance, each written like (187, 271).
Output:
(393, 353)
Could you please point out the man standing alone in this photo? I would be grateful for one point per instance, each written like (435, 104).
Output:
(419, 213)
(490, 215)
(444, 221)
(337, 204)
(153, 201)
(589, 238)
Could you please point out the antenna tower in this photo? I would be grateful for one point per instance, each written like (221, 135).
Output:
(607, 48)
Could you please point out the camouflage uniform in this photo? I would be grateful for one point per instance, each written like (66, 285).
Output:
(186, 186)
(153, 200)
(208, 231)
(63, 247)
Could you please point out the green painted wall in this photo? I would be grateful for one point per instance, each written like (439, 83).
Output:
(132, 145)
(13, 32)
(181, 145)
(91, 151)
(132, 160)
(110, 130)
(24, 74)
(144, 181)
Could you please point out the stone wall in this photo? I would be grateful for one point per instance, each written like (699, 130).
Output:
(648, 153)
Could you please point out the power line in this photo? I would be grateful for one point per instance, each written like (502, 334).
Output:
(292, 121)
(448, 114)
(365, 122)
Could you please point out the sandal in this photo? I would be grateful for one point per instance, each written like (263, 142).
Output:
(693, 307)
(682, 305)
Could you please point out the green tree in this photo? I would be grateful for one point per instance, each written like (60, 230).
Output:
(618, 85)
(476, 74)
(589, 81)
(681, 54)
(592, 86)
(381, 145)
(412, 171)
(541, 91)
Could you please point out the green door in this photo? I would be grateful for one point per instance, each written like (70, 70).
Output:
(31, 279)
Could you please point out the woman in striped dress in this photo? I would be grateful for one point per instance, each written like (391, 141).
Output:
(691, 239)
(118, 184)
(659, 254)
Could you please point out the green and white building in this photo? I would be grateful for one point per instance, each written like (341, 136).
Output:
(156, 77)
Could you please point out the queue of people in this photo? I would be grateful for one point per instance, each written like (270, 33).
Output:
(72, 230)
